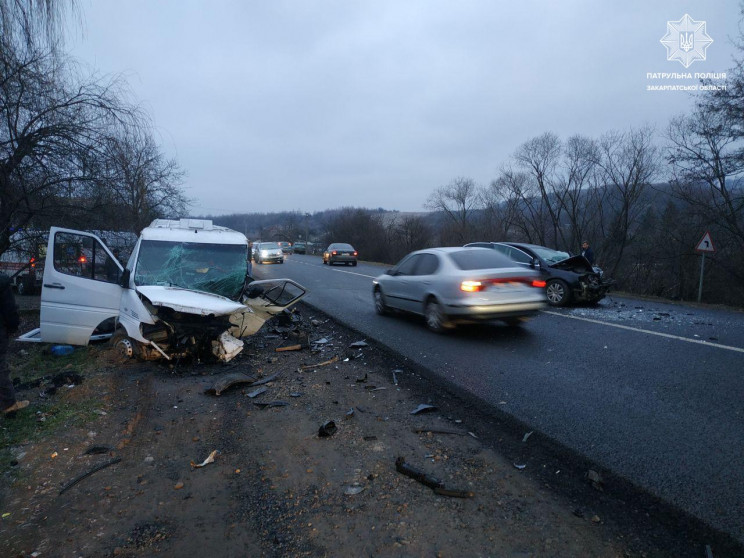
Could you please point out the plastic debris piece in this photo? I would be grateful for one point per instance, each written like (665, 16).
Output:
(178, 486)
(362, 380)
(266, 380)
(395, 376)
(377, 388)
(54, 455)
(417, 474)
(473, 435)
(452, 493)
(324, 363)
(350, 413)
(229, 380)
(269, 404)
(295, 394)
(97, 450)
(526, 436)
(257, 392)
(61, 350)
(327, 429)
(322, 341)
(439, 431)
(520, 466)
(353, 490)
(6, 515)
(358, 345)
(423, 408)
(207, 461)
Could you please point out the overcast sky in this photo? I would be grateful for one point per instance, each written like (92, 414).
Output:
(310, 105)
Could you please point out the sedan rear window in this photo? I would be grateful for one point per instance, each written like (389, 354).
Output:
(480, 259)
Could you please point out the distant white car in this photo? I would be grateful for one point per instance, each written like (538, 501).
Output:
(267, 252)
(450, 286)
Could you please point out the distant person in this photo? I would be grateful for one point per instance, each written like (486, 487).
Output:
(587, 251)
(9, 321)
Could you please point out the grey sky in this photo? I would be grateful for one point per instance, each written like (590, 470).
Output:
(310, 105)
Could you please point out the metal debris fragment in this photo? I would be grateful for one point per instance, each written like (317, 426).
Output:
(526, 436)
(324, 363)
(257, 392)
(358, 345)
(423, 408)
(269, 404)
(266, 380)
(520, 466)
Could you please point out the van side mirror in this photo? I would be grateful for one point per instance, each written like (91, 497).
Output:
(124, 279)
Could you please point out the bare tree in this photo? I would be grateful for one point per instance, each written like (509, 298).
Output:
(457, 200)
(138, 182)
(629, 161)
(528, 213)
(51, 129)
(539, 157)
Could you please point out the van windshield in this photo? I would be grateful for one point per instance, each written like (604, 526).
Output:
(213, 268)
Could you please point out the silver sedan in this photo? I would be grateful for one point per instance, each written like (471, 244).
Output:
(450, 286)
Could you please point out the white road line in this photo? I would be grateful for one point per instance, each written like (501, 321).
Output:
(669, 335)
(340, 270)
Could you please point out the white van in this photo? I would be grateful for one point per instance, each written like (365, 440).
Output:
(185, 291)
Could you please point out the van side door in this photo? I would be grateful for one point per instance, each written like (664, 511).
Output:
(80, 290)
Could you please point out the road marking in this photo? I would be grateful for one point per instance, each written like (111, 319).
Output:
(339, 270)
(669, 335)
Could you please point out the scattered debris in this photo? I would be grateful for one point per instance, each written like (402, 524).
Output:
(595, 478)
(358, 345)
(297, 347)
(266, 380)
(295, 394)
(423, 408)
(362, 380)
(350, 413)
(322, 341)
(95, 469)
(207, 461)
(257, 392)
(327, 429)
(520, 466)
(324, 363)
(426, 479)
(228, 381)
(353, 490)
(269, 404)
(526, 436)
(178, 486)
(97, 450)
(439, 431)
(395, 376)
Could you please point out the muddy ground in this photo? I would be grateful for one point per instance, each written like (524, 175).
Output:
(278, 488)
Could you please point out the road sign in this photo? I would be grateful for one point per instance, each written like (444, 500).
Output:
(705, 244)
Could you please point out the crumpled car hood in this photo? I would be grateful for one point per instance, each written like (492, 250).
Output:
(574, 263)
(191, 302)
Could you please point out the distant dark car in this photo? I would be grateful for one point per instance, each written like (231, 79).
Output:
(267, 252)
(285, 246)
(299, 247)
(339, 252)
(568, 278)
(449, 286)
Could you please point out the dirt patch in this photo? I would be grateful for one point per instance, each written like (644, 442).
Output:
(278, 488)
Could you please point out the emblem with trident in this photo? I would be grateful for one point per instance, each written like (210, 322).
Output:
(687, 41)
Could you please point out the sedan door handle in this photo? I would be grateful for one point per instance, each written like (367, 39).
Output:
(54, 286)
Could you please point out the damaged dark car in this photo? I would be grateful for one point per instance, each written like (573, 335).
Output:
(569, 279)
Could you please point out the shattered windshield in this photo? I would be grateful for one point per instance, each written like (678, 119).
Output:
(552, 256)
(214, 268)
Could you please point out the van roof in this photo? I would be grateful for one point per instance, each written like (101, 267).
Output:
(192, 230)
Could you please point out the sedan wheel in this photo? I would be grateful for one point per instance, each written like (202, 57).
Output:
(557, 292)
(435, 319)
(380, 307)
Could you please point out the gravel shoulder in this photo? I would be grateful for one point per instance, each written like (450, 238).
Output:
(278, 488)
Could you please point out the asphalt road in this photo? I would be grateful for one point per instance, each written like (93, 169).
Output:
(651, 391)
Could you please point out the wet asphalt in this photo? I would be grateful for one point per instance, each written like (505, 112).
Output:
(652, 391)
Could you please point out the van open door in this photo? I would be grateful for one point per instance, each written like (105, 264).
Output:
(80, 291)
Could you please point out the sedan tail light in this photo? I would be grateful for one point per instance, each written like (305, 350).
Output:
(539, 283)
(472, 286)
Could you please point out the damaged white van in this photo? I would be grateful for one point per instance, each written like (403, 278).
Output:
(185, 291)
